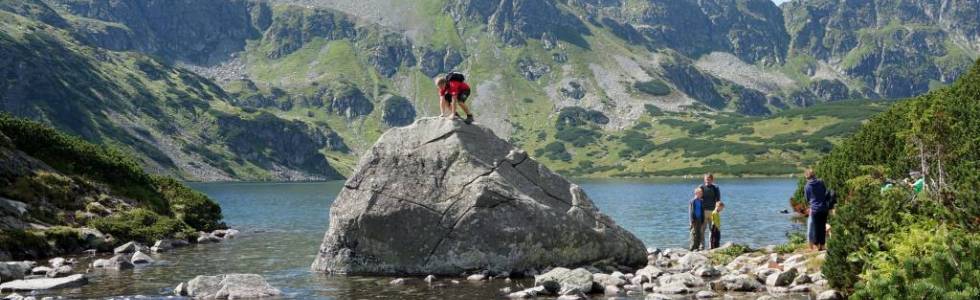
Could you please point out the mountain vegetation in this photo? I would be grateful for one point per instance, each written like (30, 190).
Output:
(62, 184)
(894, 243)
(297, 89)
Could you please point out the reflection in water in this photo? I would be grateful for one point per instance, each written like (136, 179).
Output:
(282, 226)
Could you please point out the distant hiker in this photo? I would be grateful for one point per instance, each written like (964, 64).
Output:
(918, 184)
(820, 199)
(716, 225)
(712, 197)
(453, 92)
(696, 213)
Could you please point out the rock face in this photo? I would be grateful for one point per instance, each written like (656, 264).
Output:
(440, 197)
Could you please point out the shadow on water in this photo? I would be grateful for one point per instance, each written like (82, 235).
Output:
(283, 224)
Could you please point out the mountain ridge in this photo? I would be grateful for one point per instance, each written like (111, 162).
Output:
(357, 70)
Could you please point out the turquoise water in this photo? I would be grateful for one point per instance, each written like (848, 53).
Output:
(282, 225)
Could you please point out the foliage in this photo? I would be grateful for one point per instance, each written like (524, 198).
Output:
(578, 136)
(726, 255)
(653, 110)
(554, 151)
(141, 225)
(796, 242)
(653, 87)
(692, 127)
(23, 244)
(877, 239)
(926, 261)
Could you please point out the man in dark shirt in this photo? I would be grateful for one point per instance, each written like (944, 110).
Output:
(712, 196)
(816, 194)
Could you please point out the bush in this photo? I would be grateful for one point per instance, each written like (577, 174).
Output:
(653, 87)
(141, 225)
(578, 136)
(692, 127)
(887, 245)
(725, 256)
(554, 151)
(653, 110)
(797, 241)
(23, 244)
(925, 261)
(190, 206)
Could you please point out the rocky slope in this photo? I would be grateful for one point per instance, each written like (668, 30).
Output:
(61, 195)
(440, 197)
(175, 121)
(336, 63)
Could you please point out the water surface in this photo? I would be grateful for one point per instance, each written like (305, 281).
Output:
(283, 224)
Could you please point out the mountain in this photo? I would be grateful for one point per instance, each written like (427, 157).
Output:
(340, 72)
(176, 121)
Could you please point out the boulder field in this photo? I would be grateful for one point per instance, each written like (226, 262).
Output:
(442, 197)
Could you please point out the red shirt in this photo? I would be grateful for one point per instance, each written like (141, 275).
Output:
(454, 88)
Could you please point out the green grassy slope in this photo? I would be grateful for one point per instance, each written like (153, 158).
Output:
(67, 183)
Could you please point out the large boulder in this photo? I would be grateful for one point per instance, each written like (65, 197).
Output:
(14, 269)
(441, 197)
(229, 286)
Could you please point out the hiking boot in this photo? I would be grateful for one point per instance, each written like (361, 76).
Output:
(469, 119)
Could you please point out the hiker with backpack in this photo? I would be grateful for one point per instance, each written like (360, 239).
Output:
(453, 92)
(821, 200)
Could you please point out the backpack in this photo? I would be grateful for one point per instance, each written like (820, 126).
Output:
(455, 76)
(831, 199)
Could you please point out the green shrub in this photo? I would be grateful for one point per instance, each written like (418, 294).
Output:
(190, 206)
(578, 136)
(653, 87)
(554, 151)
(796, 241)
(653, 110)
(23, 244)
(141, 225)
(725, 256)
(886, 245)
(925, 261)
(692, 127)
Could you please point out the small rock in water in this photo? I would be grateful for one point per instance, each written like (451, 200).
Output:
(705, 295)
(800, 289)
(398, 281)
(126, 248)
(576, 296)
(13, 296)
(612, 290)
(505, 290)
(430, 279)
(57, 262)
(40, 270)
(181, 289)
(230, 286)
(454, 281)
(672, 288)
(563, 281)
(161, 246)
(61, 271)
(118, 262)
(476, 277)
(140, 258)
(830, 295)
(45, 283)
(658, 297)
(231, 233)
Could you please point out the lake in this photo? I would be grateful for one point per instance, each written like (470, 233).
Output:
(283, 224)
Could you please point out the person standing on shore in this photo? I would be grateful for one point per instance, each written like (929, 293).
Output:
(695, 209)
(712, 197)
(816, 194)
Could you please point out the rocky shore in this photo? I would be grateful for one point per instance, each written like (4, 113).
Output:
(60, 273)
(669, 274)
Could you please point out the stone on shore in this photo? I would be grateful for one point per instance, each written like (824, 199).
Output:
(230, 286)
(783, 278)
(528, 293)
(563, 281)
(42, 270)
(608, 280)
(738, 283)
(683, 278)
(705, 295)
(76, 280)
(440, 197)
(692, 261)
